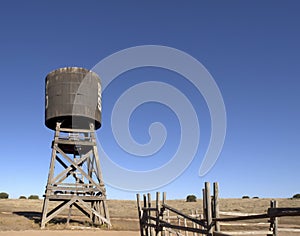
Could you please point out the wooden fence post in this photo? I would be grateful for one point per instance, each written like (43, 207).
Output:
(216, 206)
(179, 222)
(274, 220)
(201, 217)
(149, 212)
(163, 232)
(208, 208)
(168, 220)
(204, 203)
(157, 229)
(146, 213)
(140, 214)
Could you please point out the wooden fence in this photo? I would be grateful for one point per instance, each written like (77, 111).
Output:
(157, 220)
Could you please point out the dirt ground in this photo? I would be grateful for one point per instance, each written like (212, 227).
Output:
(23, 217)
(67, 233)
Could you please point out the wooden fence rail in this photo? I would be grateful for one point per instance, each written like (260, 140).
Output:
(156, 220)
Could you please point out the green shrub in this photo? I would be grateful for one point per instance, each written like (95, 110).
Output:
(33, 197)
(296, 195)
(22, 197)
(245, 197)
(191, 198)
(4, 195)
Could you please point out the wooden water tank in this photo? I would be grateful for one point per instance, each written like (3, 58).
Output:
(73, 97)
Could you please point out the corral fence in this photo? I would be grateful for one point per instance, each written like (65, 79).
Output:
(162, 219)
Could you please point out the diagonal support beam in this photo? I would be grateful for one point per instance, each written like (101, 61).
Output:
(77, 167)
(59, 209)
(68, 169)
(82, 210)
(85, 205)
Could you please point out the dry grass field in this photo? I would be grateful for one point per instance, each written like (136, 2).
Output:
(21, 215)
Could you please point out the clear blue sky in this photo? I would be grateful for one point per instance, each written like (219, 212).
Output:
(251, 48)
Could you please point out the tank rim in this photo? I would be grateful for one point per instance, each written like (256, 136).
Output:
(75, 70)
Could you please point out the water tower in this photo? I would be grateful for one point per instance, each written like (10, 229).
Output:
(73, 111)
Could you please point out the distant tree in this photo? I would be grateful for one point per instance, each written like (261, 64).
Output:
(255, 197)
(22, 197)
(296, 195)
(4, 195)
(245, 197)
(191, 198)
(33, 197)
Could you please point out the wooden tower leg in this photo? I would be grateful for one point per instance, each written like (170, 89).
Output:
(80, 183)
(50, 177)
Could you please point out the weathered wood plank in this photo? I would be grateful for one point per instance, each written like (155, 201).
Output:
(78, 189)
(208, 208)
(289, 230)
(274, 220)
(57, 210)
(152, 229)
(157, 228)
(84, 204)
(65, 173)
(263, 224)
(272, 212)
(216, 213)
(77, 167)
(200, 222)
(183, 228)
(232, 213)
(217, 233)
(67, 130)
(145, 216)
(63, 197)
(279, 212)
(76, 143)
(250, 217)
(257, 232)
(204, 204)
(162, 213)
(139, 214)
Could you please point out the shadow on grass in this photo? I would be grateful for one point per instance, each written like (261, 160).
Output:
(36, 217)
